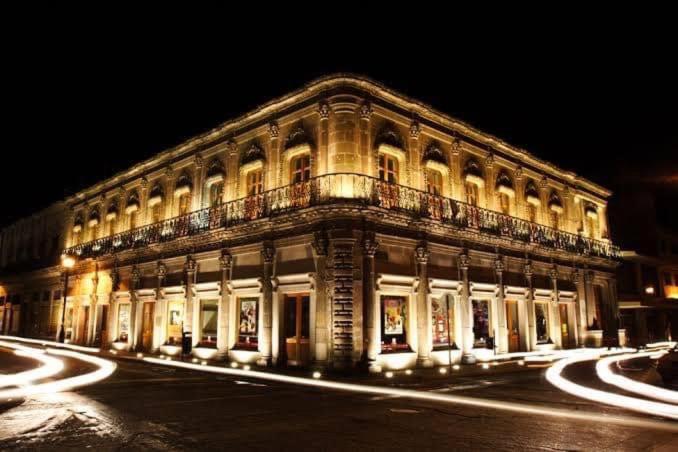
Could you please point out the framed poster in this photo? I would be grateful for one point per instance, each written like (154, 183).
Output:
(124, 322)
(248, 317)
(394, 315)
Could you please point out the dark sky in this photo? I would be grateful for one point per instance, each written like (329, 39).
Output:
(83, 103)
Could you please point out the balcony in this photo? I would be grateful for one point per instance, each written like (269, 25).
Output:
(365, 191)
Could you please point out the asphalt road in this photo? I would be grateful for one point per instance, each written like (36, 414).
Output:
(152, 407)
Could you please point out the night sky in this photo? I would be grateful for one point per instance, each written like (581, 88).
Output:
(83, 106)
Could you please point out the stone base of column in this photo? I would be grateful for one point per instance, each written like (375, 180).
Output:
(373, 367)
(264, 362)
(222, 354)
(424, 362)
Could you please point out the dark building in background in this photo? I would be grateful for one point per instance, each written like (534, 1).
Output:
(648, 275)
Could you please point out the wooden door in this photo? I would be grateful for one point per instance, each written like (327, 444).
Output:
(147, 326)
(512, 326)
(564, 326)
(82, 335)
(297, 328)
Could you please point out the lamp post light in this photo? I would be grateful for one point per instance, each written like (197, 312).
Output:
(67, 262)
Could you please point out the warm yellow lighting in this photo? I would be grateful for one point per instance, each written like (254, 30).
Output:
(140, 355)
(408, 372)
(67, 261)
(456, 367)
(486, 366)
(389, 374)
(204, 363)
(234, 364)
(442, 370)
(521, 362)
(671, 291)
(246, 367)
(194, 360)
(649, 290)
(316, 374)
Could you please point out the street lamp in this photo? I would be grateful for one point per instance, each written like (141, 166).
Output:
(67, 262)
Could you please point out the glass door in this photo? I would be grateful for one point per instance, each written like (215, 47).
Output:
(297, 328)
(512, 326)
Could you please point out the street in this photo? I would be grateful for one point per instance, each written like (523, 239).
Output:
(146, 406)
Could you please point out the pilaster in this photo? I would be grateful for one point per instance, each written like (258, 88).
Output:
(224, 309)
(370, 246)
(322, 333)
(342, 300)
(424, 341)
(268, 253)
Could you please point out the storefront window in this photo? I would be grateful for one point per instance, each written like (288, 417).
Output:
(481, 323)
(394, 319)
(442, 325)
(124, 322)
(541, 314)
(208, 322)
(247, 329)
(175, 321)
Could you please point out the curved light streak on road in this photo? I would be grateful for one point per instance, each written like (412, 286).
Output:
(427, 396)
(105, 369)
(77, 348)
(51, 366)
(553, 375)
(605, 373)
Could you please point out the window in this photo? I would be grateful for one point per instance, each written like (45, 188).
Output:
(504, 203)
(156, 212)
(124, 322)
(393, 325)
(216, 193)
(301, 169)
(111, 227)
(592, 226)
(442, 325)
(472, 194)
(94, 231)
(247, 327)
(555, 219)
(208, 322)
(133, 219)
(388, 168)
(541, 314)
(176, 321)
(184, 203)
(76, 237)
(255, 184)
(597, 323)
(481, 323)
(434, 182)
(531, 212)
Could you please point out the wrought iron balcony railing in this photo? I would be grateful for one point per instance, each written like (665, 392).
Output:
(345, 188)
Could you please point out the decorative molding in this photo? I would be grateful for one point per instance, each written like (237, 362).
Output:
(323, 110)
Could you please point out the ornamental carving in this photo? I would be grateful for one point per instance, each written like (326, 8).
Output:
(169, 172)
(499, 265)
(136, 274)
(268, 253)
(190, 265)
(544, 182)
(198, 160)
(415, 130)
(456, 146)
(232, 147)
(576, 276)
(421, 254)
(518, 173)
(324, 110)
(389, 136)
(161, 270)
(215, 168)
(434, 153)
(553, 273)
(252, 154)
(471, 167)
(320, 243)
(225, 260)
(503, 180)
(464, 261)
(489, 160)
(527, 269)
(366, 111)
(273, 130)
(370, 245)
(296, 137)
(144, 183)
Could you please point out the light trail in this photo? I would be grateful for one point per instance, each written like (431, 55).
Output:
(553, 375)
(77, 348)
(429, 396)
(105, 369)
(51, 366)
(605, 373)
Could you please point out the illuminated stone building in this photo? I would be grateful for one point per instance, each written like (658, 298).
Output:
(343, 224)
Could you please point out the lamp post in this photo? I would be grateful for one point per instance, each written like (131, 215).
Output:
(67, 262)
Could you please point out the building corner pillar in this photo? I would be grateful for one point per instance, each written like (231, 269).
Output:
(370, 246)
(467, 312)
(190, 318)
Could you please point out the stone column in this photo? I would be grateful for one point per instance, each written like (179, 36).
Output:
(413, 173)
(275, 167)
(232, 182)
(135, 311)
(224, 309)
(160, 306)
(342, 300)
(190, 317)
(143, 216)
(322, 334)
(501, 342)
(268, 253)
(456, 172)
(424, 341)
(466, 308)
(554, 308)
(198, 184)
(323, 138)
(370, 246)
(368, 165)
(91, 321)
(544, 196)
(529, 299)
(521, 208)
(112, 307)
(590, 301)
(169, 192)
(489, 182)
(580, 311)
(343, 152)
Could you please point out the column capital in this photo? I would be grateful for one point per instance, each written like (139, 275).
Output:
(169, 172)
(370, 245)
(463, 261)
(489, 160)
(544, 183)
(190, 265)
(198, 160)
(320, 243)
(518, 173)
(588, 276)
(268, 252)
(324, 110)
(366, 111)
(136, 275)
(161, 270)
(415, 130)
(456, 146)
(553, 273)
(576, 276)
(498, 265)
(225, 260)
(232, 147)
(273, 130)
(527, 269)
(421, 253)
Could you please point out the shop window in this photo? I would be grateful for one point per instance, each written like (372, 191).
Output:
(247, 328)
(184, 203)
(175, 322)
(388, 168)
(393, 325)
(541, 314)
(208, 322)
(301, 169)
(216, 194)
(442, 325)
(471, 194)
(434, 182)
(481, 323)
(124, 330)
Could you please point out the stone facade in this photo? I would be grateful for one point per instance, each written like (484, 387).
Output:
(343, 224)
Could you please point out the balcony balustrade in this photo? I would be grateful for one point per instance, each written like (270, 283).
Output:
(341, 188)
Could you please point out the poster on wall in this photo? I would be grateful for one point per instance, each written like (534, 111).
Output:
(175, 320)
(124, 322)
(394, 316)
(441, 323)
(248, 317)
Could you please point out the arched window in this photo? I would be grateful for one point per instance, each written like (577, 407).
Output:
(435, 165)
(471, 193)
(592, 221)
(215, 183)
(93, 224)
(182, 194)
(505, 192)
(300, 169)
(184, 203)
(255, 182)
(555, 210)
(132, 210)
(473, 181)
(532, 201)
(156, 204)
(111, 218)
(77, 230)
(216, 193)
